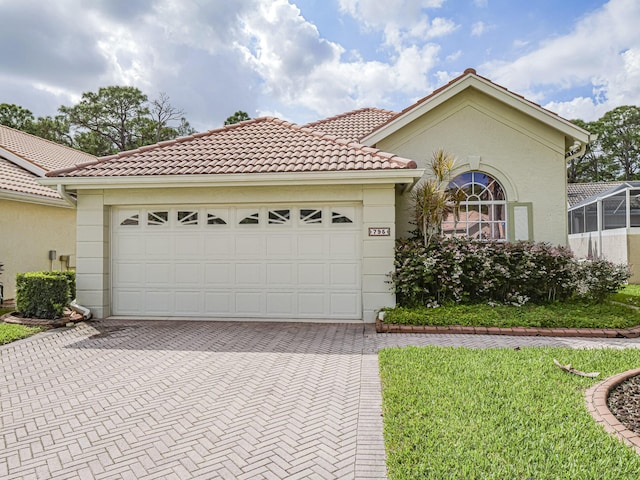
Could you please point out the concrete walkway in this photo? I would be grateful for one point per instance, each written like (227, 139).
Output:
(180, 400)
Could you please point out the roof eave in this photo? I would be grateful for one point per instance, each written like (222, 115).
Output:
(31, 198)
(395, 176)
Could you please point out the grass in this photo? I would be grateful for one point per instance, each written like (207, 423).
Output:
(629, 295)
(460, 413)
(10, 332)
(556, 315)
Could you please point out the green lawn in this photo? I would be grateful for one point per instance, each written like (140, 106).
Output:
(10, 332)
(567, 315)
(456, 413)
(629, 295)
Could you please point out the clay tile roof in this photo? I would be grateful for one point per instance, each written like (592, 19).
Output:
(355, 124)
(262, 145)
(42, 153)
(18, 180)
(36, 156)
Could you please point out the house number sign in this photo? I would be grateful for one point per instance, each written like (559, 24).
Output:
(379, 231)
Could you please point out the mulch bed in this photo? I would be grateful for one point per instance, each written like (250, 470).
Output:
(624, 403)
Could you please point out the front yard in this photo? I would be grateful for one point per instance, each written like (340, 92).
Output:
(499, 414)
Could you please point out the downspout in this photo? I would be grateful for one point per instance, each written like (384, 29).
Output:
(66, 196)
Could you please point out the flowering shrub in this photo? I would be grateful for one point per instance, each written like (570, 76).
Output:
(469, 271)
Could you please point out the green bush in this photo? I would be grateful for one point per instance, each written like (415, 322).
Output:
(471, 271)
(70, 275)
(42, 294)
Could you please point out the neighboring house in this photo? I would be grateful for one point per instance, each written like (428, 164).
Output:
(272, 220)
(34, 219)
(604, 222)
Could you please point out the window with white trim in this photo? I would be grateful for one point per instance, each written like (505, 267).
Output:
(482, 212)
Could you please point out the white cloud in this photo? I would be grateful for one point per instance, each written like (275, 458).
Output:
(478, 28)
(602, 52)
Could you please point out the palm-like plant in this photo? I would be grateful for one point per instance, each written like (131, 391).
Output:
(433, 199)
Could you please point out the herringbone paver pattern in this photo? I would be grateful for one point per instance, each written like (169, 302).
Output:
(180, 400)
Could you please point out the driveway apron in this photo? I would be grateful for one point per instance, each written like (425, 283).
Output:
(181, 400)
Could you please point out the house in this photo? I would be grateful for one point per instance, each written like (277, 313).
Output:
(273, 220)
(34, 220)
(604, 222)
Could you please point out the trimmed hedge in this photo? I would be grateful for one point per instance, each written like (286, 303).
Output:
(44, 294)
(471, 271)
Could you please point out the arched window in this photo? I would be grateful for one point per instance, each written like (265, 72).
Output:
(482, 210)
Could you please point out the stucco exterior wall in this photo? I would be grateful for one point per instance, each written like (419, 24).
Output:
(93, 230)
(28, 232)
(525, 155)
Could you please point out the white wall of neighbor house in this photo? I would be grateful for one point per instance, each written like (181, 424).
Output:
(525, 155)
(93, 230)
(29, 231)
(621, 245)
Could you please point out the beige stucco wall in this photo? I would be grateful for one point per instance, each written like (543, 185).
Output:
(28, 232)
(94, 207)
(621, 246)
(525, 155)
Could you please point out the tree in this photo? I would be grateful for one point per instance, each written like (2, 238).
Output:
(592, 166)
(113, 113)
(237, 117)
(15, 116)
(161, 113)
(55, 129)
(433, 199)
(619, 139)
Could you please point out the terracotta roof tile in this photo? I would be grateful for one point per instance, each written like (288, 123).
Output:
(355, 124)
(18, 180)
(40, 152)
(263, 145)
(36, 152)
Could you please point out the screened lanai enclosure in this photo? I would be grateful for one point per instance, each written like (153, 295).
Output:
(607, 225)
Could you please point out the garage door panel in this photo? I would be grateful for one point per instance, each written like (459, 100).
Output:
(276, 262)
(218, 303)
(249, 303)
(189, 246)
(188, 302)
(280, 275)
(250, 246)
(280, 246)
(188, 274)
(249, 274)
(158, 246)
(311, 274)
(280, 303)
(159, 273)
(344, 303)
(129, 273)
(219, 274)
(218, 245)
(312, 304)
(129, 247)
(346, 274)
(158, 302)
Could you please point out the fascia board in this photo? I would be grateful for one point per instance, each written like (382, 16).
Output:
(486, 87)
(396, 176)
(23, 163)
(29, 198)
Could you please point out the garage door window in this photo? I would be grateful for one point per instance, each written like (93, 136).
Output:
(279, 217)
(250, 219)
(214, 219)
(132, 221)
(186, 217)
(339, 217)
(310, 216)
(157, 218)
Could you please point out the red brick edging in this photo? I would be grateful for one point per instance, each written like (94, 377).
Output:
(634, 332)
(596, 400)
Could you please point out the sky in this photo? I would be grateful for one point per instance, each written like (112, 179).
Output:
(303, 60)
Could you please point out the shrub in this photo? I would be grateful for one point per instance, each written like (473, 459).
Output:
(42, 294)
(471, 271)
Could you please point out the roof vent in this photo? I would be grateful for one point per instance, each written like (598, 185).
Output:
(470, 70)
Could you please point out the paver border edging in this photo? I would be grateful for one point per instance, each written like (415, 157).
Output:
(633, 332)
(596, 401)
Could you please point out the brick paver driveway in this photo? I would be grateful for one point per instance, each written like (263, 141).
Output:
(182, 400)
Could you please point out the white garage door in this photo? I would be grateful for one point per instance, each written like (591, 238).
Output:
(275, 262)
